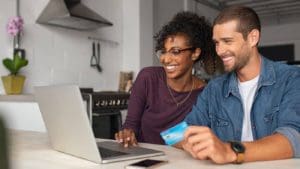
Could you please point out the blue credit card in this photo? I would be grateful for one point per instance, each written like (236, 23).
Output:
(174, 134)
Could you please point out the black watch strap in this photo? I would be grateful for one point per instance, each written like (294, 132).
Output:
(239, 150)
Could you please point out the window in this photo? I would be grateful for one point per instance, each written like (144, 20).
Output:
(284, 52)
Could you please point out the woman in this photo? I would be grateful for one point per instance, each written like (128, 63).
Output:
(161, 97)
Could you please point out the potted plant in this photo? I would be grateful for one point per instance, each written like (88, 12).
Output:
(13, 83)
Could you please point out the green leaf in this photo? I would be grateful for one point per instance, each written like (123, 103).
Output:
(14, 65)
(9, 64)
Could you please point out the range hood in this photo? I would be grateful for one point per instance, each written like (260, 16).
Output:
(71, 14)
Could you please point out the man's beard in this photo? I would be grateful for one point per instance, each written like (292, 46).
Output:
(238, 65)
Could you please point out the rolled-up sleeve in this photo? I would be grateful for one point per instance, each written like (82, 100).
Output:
(293, 136)
(289, 115)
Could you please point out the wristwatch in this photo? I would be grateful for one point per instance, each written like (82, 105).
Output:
(239, 150)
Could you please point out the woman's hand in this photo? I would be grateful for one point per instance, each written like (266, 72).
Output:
(126, 137)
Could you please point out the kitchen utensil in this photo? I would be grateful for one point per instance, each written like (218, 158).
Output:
(98, 57)
(94, 60)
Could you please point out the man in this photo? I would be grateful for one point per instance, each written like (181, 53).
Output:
(252, 113)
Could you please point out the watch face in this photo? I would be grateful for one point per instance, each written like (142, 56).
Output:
(238, 147)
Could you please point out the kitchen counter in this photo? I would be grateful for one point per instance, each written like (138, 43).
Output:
(21, 112)
(17, 98)
(32, 150)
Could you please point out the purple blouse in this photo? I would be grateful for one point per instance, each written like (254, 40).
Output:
(151, 108)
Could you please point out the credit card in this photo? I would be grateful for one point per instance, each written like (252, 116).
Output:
(174, 134)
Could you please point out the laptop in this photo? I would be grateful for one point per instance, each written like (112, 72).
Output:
(70, 131)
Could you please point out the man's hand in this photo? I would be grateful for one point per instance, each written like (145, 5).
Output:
(126, 137)
(203, 144)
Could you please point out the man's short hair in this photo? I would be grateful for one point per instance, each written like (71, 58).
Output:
(247, 19)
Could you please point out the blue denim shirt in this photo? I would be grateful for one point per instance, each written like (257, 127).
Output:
(275, 109)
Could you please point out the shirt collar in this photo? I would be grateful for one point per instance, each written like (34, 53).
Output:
(267, 77)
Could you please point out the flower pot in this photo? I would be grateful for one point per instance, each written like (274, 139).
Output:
(13, 84)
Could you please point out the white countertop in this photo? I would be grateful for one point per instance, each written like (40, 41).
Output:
(31, 150)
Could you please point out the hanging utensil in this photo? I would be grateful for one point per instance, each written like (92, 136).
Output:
(93, 61)
(98, 57)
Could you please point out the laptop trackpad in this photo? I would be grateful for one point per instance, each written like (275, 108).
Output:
(106, 153)
(113, 149)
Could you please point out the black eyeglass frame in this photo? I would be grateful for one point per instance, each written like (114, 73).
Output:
(173, 52)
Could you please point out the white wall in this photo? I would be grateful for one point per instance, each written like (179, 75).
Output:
(163, 11)
(282, 34)
(6, 9)
(58, 55)
(131, 38)
(146, 35)
(206, 11)
(137, 34)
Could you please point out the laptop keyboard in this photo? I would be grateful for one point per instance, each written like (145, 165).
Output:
(110, 153)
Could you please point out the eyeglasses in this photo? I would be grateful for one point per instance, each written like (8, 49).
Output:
(172, 52)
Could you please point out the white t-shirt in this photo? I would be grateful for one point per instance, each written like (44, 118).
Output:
(247, 91)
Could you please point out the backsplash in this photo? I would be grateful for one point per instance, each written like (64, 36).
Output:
(62, 56)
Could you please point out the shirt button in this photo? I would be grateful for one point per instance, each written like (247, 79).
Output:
(253, 126)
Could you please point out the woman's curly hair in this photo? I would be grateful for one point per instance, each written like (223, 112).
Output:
(199, 33)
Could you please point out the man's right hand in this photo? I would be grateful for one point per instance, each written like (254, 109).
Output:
(126, 137)
(203, 144)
